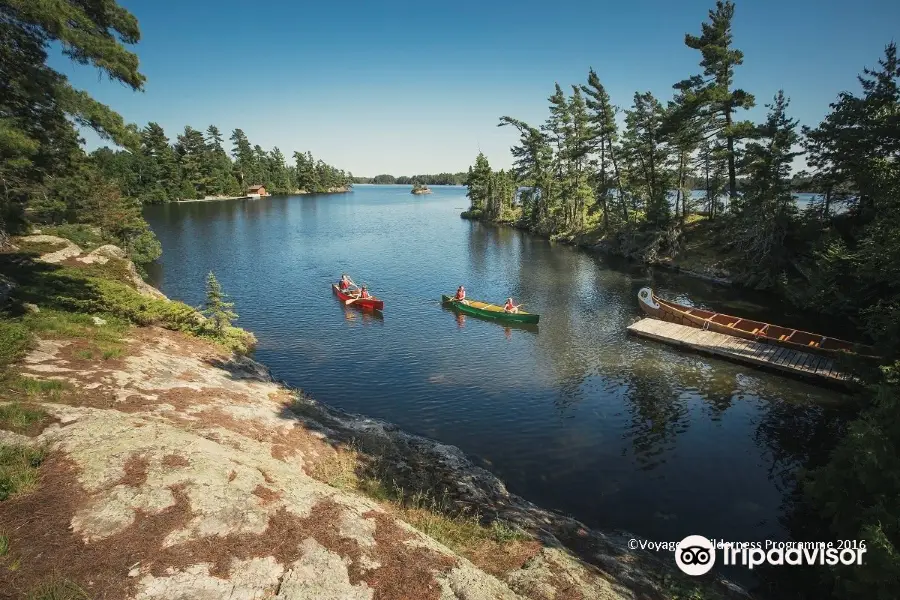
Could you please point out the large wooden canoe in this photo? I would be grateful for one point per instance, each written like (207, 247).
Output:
(373, 302)
(758, 331)
(489, 311)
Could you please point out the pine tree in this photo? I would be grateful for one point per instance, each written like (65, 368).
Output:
(222, 179)
(217, 308)
(196, 168)
(647, 155)
(38, 143)
(685, 135)
(858, 129)
(281, 180)
(578, 147)
(558, 128)
(244, 169)
(161, 180)
(533, 165)
(709, 95)
(768, 160)
(307, 177)
(477, 182)
(765, 215)
(603, 138)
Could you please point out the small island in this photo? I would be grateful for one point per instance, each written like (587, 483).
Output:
(420, 188)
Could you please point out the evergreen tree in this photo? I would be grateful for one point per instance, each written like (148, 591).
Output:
(768, 207)
(857, 130)
(578, 147)
(222, 180)
(645, 150)
(280, 177)
(244, 169)
(533, 165)
(558, 129)
(217, 308)
(37, 140)
(196, 169)
(161, 180)
(685, 134)
(477, 182)
(710, 96)
(603, 138)
(307, 178)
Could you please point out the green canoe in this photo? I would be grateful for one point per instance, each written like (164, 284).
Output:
(489, 311)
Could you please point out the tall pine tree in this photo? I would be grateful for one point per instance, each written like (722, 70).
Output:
(710, 95)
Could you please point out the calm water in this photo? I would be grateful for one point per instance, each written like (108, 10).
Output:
(618, 432)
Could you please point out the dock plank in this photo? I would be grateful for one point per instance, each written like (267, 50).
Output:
(778, 358)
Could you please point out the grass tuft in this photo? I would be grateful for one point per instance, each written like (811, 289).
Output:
(14, 341)
(462, 532)
(4, 545)
(20, 418)
(58, 589)
(18, 469)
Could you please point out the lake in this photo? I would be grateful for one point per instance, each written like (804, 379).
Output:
(618, 432)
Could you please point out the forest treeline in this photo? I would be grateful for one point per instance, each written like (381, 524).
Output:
(840, 256)
(46, 178)
(439, 179)
(198, 165)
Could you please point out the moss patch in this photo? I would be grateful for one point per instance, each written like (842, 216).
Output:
(69, 294)
(86, 237)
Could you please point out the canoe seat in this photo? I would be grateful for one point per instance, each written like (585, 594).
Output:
(781, 338)
(755, 331)
(731, 325)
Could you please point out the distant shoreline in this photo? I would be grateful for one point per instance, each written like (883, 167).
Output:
(340, 190)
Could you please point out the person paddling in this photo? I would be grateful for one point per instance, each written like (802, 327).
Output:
(345, 283)
(460, 295)
(364, 293)
(510, 307)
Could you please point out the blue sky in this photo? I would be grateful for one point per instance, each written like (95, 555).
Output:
(417, 87)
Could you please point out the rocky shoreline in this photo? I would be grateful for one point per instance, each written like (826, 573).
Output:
(604, 248)
(335, 190)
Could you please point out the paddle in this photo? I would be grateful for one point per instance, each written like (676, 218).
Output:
(352, 300)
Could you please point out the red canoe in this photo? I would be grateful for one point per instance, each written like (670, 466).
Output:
(370, 302)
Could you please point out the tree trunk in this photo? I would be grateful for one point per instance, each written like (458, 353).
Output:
(732, 174)
(604, 187)
(709, 199)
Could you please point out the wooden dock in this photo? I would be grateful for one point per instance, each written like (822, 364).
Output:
(767, 356)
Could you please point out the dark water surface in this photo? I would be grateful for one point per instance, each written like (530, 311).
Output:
(618, 432)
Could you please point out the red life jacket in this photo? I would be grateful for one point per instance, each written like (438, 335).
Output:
(460, 294)
(344, 285)
(509, 306)
(364, 294)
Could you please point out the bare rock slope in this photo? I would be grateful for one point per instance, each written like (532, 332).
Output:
(177, 472)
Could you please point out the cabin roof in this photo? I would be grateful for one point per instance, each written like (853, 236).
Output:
(256, 187)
